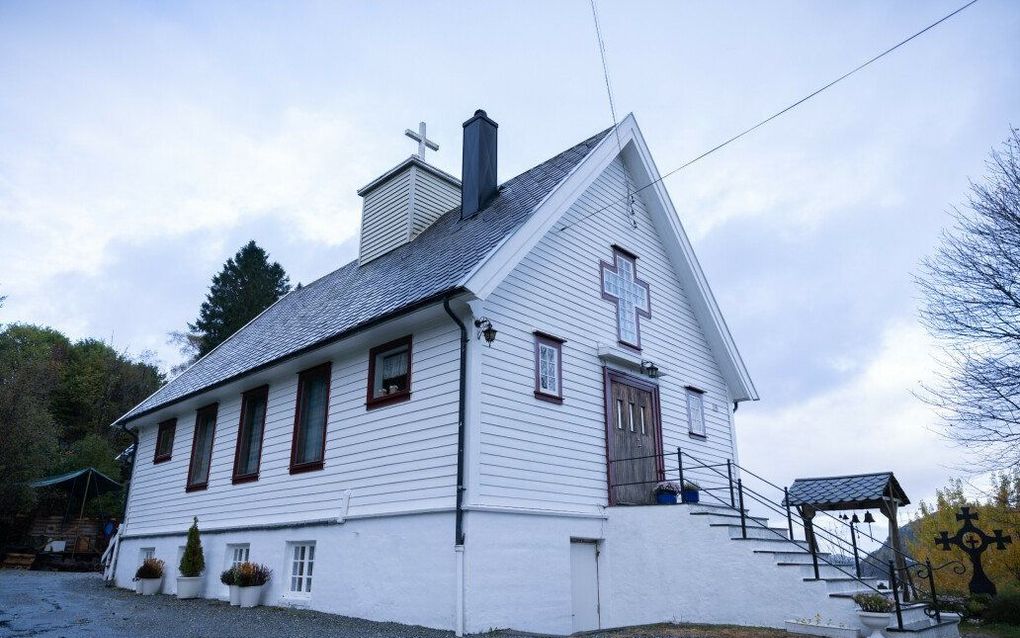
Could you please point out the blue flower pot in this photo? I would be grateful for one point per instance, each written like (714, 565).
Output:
(688, 496)
(665, 498)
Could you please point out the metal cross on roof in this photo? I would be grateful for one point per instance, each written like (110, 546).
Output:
(423, 142)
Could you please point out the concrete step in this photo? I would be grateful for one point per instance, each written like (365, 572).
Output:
(779, 544)
(844, 584)
(791, 555)
(728, 516)
(753, 531)
(825, 570)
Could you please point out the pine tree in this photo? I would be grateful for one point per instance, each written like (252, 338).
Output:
(193, 560)
(247, 285)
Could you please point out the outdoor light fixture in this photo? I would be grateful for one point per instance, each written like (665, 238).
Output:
(486, 330)
(650, 369)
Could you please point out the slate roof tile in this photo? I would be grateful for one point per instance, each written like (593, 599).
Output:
(845, 490)
(430, 266)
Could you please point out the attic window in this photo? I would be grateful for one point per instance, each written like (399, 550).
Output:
(165, 440)
(389, 373)
(631, 295)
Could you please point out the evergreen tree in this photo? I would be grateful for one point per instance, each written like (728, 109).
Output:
(247, 285)
(193, 559)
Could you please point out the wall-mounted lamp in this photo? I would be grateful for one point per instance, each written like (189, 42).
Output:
(649, 369)
(485, 330)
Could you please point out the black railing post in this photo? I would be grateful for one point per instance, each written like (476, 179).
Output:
(931, 587)
(814, 555)
(680, 465)
(729, 480)
(789, 516)
(853, 543)
(743, 515)
(896, 597)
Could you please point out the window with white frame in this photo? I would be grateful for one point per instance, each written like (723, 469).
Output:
(237, 554)
(696, 411)
(146, 552)
(548, 367)
(302, 563)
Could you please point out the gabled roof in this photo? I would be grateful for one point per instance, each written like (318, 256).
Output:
(428, 268)
(856, 491)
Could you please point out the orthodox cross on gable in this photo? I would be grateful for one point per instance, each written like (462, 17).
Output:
(973, 541)
(423, 142)
(631, 296)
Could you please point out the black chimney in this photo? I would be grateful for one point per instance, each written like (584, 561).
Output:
(478, 170)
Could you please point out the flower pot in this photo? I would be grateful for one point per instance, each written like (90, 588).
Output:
(150, 586)
(874, 623)
(235, 595)
(689, 496)
(138, 585)
(189, 587)
(251, 596)
(665, 498)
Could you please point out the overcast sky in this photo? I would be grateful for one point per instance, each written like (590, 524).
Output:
(143, 144)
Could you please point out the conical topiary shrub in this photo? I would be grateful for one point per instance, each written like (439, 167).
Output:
(189, 581)
(193, 560)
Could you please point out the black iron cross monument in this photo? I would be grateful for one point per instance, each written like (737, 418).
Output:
(973, 541)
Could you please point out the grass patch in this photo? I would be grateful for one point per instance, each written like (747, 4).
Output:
(974, 630)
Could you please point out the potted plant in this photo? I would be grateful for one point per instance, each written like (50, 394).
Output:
(874, 613)
(229, 578)
(665, 492)
(189, 580)
(150, 575)
(689, 492)
(250, 579)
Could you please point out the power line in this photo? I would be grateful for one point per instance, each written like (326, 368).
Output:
(612, 106)
(777, 113)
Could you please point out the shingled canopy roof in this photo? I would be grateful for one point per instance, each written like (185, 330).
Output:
(420, 272)
(857, 491)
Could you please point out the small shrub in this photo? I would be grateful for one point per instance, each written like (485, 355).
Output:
(1003, 609)
(229, 576)
(150, 568)
(874, 603)
(950, 603)
(669, 487)
(193, 560)
(691, 486)
(976, 605)
(252, 574)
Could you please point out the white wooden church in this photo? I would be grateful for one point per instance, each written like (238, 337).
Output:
(463, 427)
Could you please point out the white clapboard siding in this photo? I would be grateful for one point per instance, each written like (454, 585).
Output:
(385, 220)
(393, 459)
(537, 454)
(432, 197)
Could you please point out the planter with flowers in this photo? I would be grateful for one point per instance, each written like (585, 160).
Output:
(666, 492)
(150, 576)
(189, 582)
(689, 492)
(875, 613)
(251, 579)
(229, 578)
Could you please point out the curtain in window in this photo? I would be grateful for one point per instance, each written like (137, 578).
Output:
(313, 419)
(203, 448)
(394, 365)
(251, 434)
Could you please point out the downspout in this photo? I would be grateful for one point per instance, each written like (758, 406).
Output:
(127, 494)
(458, 535)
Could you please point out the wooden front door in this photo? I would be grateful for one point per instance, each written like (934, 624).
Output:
(633, 440)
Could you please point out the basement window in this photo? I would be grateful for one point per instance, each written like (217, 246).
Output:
(165, 440)
(389, 373)
(201, 448)
(237, 554)
(302, 564)
(696, 411)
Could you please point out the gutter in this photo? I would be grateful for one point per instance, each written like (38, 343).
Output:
(428, 301)
(458, 532)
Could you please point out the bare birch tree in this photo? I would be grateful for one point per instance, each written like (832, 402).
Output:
(972, 289)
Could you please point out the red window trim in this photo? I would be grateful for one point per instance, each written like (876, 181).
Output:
(194, 487)
(169, 424)
(325, 369)
(542, 338)
(260, 392)
(372, 402)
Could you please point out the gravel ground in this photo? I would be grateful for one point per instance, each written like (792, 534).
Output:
(57, 605)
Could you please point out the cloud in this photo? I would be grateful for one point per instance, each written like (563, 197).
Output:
(871, 422)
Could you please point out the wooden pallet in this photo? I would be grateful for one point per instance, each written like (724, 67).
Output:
(19, 561)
